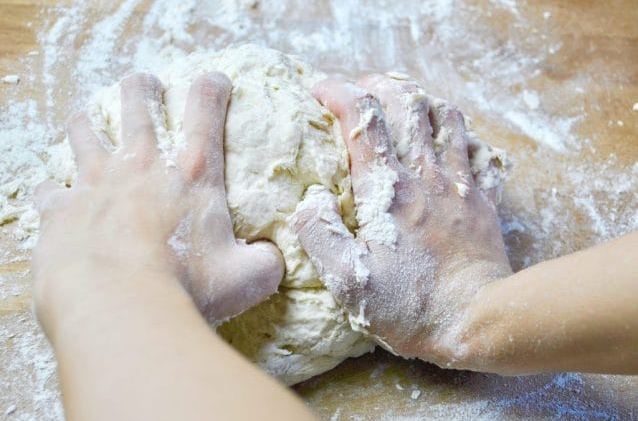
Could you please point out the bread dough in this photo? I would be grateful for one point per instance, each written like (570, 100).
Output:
(278, 141)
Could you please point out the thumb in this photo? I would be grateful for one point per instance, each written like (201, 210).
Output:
(333, 249)
(257, 272)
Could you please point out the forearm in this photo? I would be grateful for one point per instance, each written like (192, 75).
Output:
(130, 343)
(574, 313)
(147, 351)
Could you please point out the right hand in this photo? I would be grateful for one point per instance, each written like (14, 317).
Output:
(421, 253)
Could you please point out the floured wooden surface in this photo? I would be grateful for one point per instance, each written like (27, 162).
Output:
(552, 82)
(382, 387)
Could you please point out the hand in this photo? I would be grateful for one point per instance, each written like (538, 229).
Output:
(428, 235)
(131, 214)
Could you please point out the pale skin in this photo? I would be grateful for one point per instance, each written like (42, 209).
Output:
(127, 315)
(115, 300)
(574, 313)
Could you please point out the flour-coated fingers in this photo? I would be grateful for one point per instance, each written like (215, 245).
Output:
(450, 134)
(406, 107)
(142, 113)
(204, 119)
(90, 154)
(337, 256)
(363, 127)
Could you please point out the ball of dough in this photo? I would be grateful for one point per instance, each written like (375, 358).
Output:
(278, 141)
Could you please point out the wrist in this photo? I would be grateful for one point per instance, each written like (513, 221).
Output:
(88, 289)
(459, 342)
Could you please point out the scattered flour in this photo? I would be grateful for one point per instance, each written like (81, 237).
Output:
(10, 410)
(462, 189)
(11, 79)
(336, 415)
(376, 223)
(531, 99)
(458, 58)
(538, 129)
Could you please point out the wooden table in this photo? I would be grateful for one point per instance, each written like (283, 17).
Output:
(553, 82)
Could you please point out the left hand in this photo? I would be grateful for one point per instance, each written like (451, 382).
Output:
(129, 214)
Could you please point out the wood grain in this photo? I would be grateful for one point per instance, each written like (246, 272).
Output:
(598, 48)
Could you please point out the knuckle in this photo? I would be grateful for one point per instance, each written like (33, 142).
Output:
(301, 223)
(413, 216)
(365, 100)
(194, 165)
(410, 87)
(372, 80)
(356, 100)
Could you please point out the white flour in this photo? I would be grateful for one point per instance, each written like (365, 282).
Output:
(455, 55)
(10, 79)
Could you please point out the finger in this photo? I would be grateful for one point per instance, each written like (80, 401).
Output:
(493, 196)
(489, 167)
(88, 148)
(259, 270)
(406, 108)
(45, 195)
(450, 137)
(362, 124)
(331, 247)
(141, 114)
(217, 222)
(204, 118)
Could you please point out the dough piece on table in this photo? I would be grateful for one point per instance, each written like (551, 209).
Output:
(278, 141)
